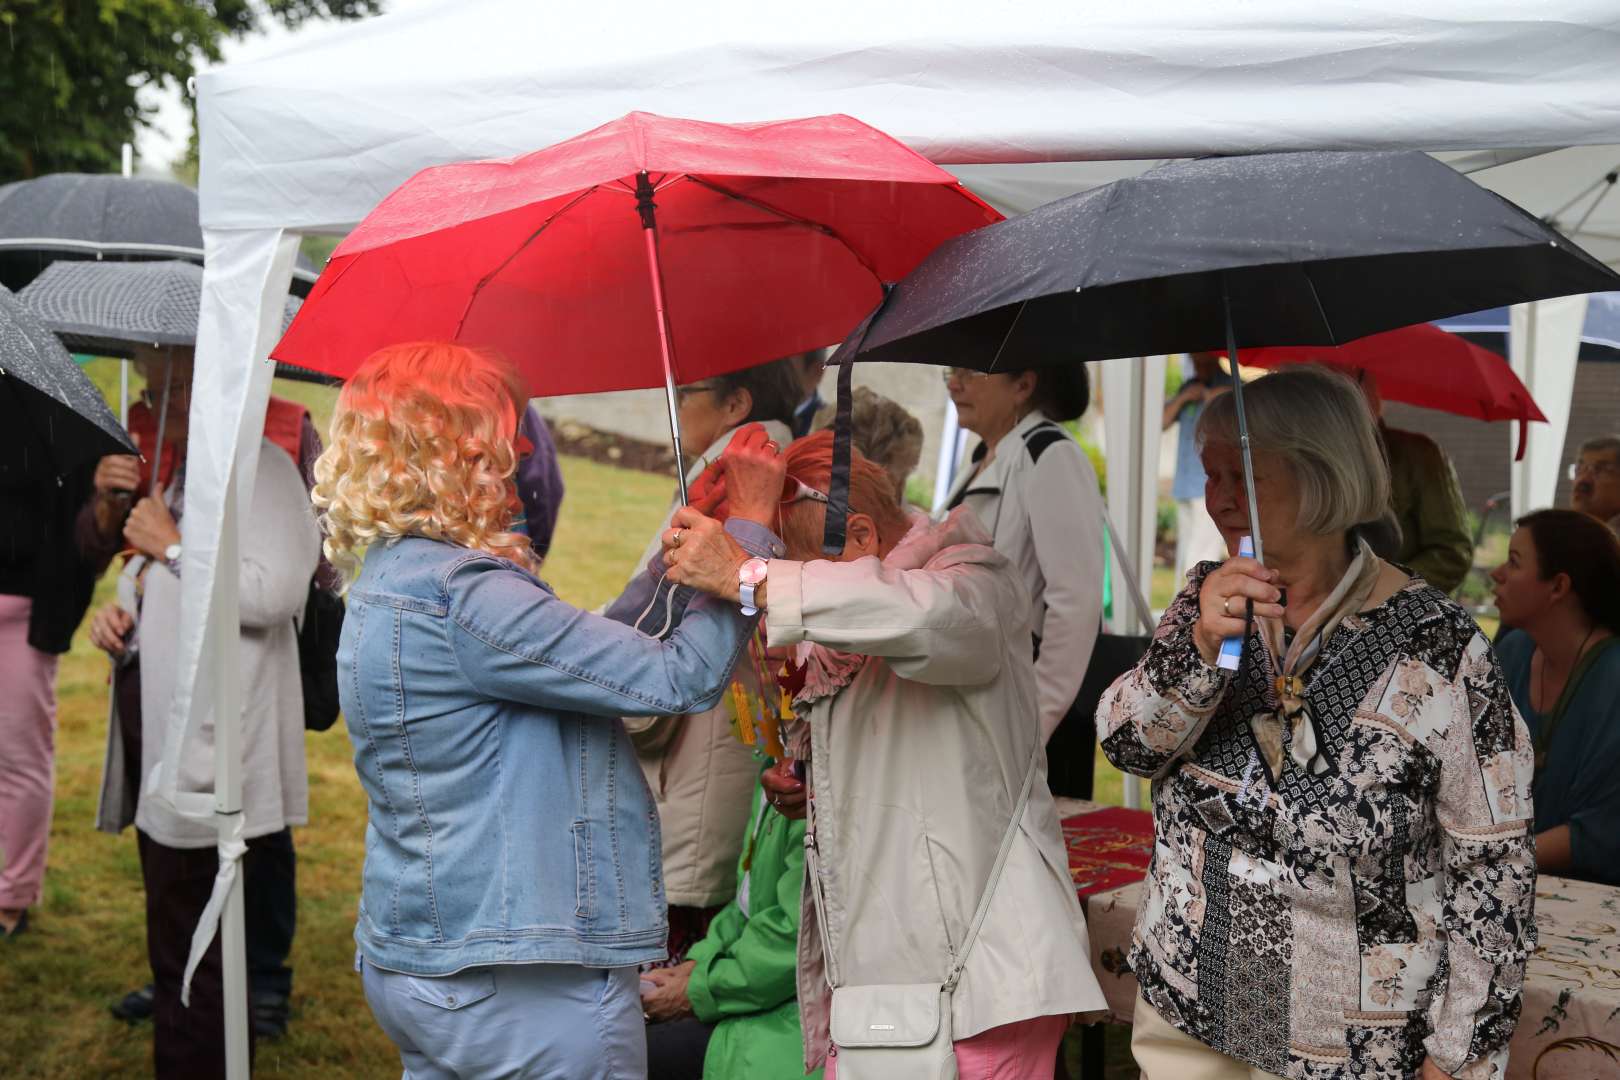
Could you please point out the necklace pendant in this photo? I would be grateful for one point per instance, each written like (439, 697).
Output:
(1290, 686)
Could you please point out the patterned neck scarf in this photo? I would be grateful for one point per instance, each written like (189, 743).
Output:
(825, 671)
(1293, 727)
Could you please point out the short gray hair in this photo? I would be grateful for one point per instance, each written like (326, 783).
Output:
(1316, 420)
(1603, 444)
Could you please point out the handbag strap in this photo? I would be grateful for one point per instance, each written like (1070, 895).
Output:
(955, 975)
(1128, 568)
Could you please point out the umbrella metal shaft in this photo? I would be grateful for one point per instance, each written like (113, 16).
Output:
(163, 419)
(1243, 427)
(649, 231)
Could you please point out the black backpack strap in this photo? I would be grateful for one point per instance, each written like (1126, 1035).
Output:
(1041, 436)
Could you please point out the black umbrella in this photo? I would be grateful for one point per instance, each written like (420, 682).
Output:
(52, 418)
(101, 216)
(1313, 248)
(111, 309)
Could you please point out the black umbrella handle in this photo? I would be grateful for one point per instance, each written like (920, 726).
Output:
(834, 532)
(1243, 425)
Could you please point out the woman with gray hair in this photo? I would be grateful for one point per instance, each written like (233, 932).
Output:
(1343, 875)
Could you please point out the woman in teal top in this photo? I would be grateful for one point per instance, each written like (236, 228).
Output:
(1559, 591)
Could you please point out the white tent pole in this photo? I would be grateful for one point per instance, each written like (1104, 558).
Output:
(128, 156)
(244, 281)
(1544, 343)
(950, 452)
(228, 785)
(1133, 397)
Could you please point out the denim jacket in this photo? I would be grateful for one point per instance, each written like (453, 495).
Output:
(508, 819)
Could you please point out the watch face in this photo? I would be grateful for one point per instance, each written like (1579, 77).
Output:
(752, 572)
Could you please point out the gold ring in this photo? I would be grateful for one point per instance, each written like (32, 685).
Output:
(1226, 607)
(675, 541)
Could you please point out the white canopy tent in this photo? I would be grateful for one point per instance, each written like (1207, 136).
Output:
(309, 139)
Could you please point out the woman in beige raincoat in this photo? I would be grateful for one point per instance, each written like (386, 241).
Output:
(920, 696)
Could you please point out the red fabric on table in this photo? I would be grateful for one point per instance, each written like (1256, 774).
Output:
(1108, 848)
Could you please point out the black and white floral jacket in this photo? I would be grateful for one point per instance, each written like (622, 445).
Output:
(1351, 923)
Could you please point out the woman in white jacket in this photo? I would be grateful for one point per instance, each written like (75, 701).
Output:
(1034, 488)
(919, 694)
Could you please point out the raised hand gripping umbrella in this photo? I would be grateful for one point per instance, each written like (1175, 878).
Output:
(1425, 366)
(1314, 248)
(650, 251)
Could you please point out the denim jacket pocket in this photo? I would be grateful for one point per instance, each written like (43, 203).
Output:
(584, 879)
(456, 991)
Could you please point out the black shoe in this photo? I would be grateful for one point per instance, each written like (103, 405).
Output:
(270, 1016)
(134, 1006)
(18, 928)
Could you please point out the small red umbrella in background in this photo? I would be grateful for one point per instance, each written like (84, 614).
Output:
(649, 251)
(1426, 366)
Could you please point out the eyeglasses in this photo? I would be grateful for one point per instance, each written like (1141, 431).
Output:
(961, 375)
(1596, 468)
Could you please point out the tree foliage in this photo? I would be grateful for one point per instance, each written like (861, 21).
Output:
(71, 69)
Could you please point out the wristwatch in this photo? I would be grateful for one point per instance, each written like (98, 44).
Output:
(749, 576)
(171, 558)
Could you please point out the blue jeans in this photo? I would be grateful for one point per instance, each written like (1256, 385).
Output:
(552, 1021)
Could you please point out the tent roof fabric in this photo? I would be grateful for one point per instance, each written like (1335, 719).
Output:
(311, 138)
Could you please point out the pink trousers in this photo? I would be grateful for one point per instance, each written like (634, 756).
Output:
(27, 756)
(1026, 1050)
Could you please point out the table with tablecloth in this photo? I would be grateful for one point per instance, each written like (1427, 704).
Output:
(1570, 1026)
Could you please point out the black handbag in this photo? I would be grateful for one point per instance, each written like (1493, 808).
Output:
(1071, 752)
(318, 636)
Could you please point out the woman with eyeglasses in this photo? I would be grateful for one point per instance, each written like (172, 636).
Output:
(701, 775)
(1559, 591)
(1035, 490)
(279, 554)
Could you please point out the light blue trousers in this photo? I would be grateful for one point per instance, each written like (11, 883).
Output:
(518, 1021)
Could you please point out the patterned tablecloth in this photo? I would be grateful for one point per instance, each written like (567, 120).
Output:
(1570, 1027)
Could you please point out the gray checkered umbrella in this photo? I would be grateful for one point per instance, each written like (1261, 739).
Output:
(53, 417)
(65, 216)
(111, 308)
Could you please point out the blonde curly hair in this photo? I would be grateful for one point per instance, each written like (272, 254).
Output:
(421, 444)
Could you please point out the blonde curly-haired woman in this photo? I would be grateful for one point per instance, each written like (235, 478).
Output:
(512, 880)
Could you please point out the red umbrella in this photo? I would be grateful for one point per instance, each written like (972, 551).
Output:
(648, 251)
(1423, 365)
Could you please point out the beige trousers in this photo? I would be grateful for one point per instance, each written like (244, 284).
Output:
(1164, 1053)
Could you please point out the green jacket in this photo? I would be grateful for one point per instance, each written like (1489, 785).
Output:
(1428, 505)
(745, 978)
